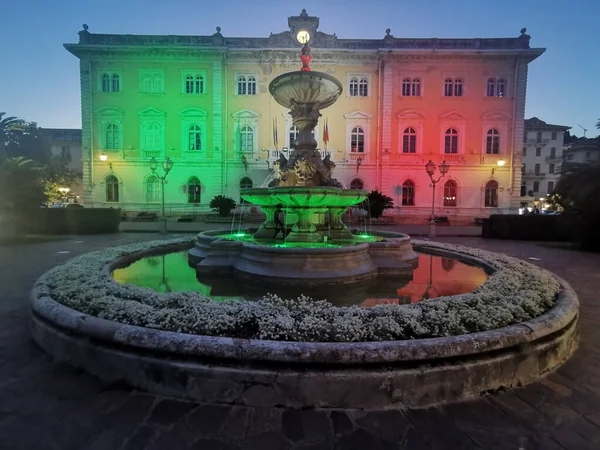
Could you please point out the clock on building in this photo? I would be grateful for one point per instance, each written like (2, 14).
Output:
(303, 36)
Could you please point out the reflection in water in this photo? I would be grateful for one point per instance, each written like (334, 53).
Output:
(434, 276)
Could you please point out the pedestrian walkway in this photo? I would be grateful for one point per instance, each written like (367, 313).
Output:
(44, 405)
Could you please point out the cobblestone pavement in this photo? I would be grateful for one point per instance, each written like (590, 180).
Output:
(44, 405)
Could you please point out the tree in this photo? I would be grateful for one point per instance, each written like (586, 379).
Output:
(7, 124)
(577, 191)
(376, 203)
(222, 204)
(29, 141)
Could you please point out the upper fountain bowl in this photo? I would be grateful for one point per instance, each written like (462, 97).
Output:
(308, 87)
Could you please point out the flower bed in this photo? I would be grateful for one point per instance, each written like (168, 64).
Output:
(515, 292)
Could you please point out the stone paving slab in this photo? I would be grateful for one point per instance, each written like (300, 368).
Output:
(44, 405)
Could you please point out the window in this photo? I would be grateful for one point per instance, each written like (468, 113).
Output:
(524, 151)
(451, 141)
(491, 194)
(538, 151)
(65, 152)
(523, 190)
(409, 141)
(194, 190)
(448, 264)
(194, 84)
(551, 168)
(152, 190)
(492, 145)
(357, 140)
(110, 82)
(408, 193)
(525, 137)
(153, 136)
(450, 189)
(246, 85)
(411, 87)
(552, 152)
(112, 189)
(538, 137)
(245, 183)
(293, 134)
(246, 139)
(194, 138)
(554, 135)
(359, 86)
(151, 81)
(536, 186)
(536, 169)
(453, 87)
(550, 187)
(115, 83)
(356, 184)
(112, 136)
(496, 87)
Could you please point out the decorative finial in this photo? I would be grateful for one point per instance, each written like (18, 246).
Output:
(218, 29)
(85, 27)
(523, 30)
(387, 32)
(303, 13)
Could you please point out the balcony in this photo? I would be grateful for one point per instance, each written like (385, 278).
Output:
(273, 155)
(533, 174)
(149, 154)
(537, 143)
(553, 159)
(353, 156)
(453, 158)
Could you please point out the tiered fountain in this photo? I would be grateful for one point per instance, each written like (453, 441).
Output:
(319, 248)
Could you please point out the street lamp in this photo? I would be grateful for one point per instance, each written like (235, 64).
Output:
(431, 168)
(64, 191)
(167, 165)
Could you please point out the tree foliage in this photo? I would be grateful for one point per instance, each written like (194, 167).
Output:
(21, 185)
(222, 204)
(376, 203)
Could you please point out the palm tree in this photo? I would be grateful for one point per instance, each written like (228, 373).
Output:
(7, 124)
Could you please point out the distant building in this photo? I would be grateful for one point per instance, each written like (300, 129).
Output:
(542, 157)
(203, 101)
(582, 151)
(65, 143)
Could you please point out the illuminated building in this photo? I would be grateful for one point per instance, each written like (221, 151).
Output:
(203, 101)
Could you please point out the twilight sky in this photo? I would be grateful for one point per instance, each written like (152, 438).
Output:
(40, 79)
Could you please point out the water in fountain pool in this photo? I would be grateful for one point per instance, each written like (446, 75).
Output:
(435, 276)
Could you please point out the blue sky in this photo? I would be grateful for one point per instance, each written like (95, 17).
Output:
(40, 79)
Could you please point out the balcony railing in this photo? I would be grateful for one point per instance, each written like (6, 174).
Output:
(453, 158)
(534, 141)
(533, 174)
(149, 154)
(273, 155)
(553, 159)
(353, 156)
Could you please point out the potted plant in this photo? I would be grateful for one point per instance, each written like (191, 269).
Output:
(376, 203)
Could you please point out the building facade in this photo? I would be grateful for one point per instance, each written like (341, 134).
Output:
(542, 157)
(203, 101)
(582, 151)
(65, 145)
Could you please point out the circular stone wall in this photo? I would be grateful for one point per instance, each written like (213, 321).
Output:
(369, 375)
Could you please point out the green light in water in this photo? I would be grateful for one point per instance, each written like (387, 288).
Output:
(365, 236)
(240, 234)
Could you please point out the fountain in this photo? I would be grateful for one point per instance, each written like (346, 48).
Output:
(319, 248)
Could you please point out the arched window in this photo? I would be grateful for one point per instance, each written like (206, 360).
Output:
(105, 82)
(246, 138)
(406, 84)
(354, 87)
(194, 84)
(357, 140)
(157, 83)
(115, 83)
(408, 193)
(491, 87)
(356, 184)
(194, 138)
(147, 83)
(451, 141)
(153, 137)
(245, 183)
(241, 82)
(450, 193)
(293, 134)
(112, 136)
(453, 87)
(492, 145)
(194, 190)
(409, 141)
(363, 88)
(251, 86)
(491, 194)
(112, 189)
(500, 87)
(416, 87)
(152, 190)
(189, 84)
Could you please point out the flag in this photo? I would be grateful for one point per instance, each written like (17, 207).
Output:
(326, 133)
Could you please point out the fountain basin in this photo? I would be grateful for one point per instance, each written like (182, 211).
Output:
(294, 196)
(309, 87)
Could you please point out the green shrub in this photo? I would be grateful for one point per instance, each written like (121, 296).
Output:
(222, 204)
(376, 203)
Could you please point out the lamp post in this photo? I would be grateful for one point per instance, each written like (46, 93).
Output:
(430, 167)
(167, 165)
(64, 191)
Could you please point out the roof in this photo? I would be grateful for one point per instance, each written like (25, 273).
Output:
(287, 39)
(537, 124)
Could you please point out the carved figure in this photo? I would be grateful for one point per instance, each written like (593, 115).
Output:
(305, 169)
